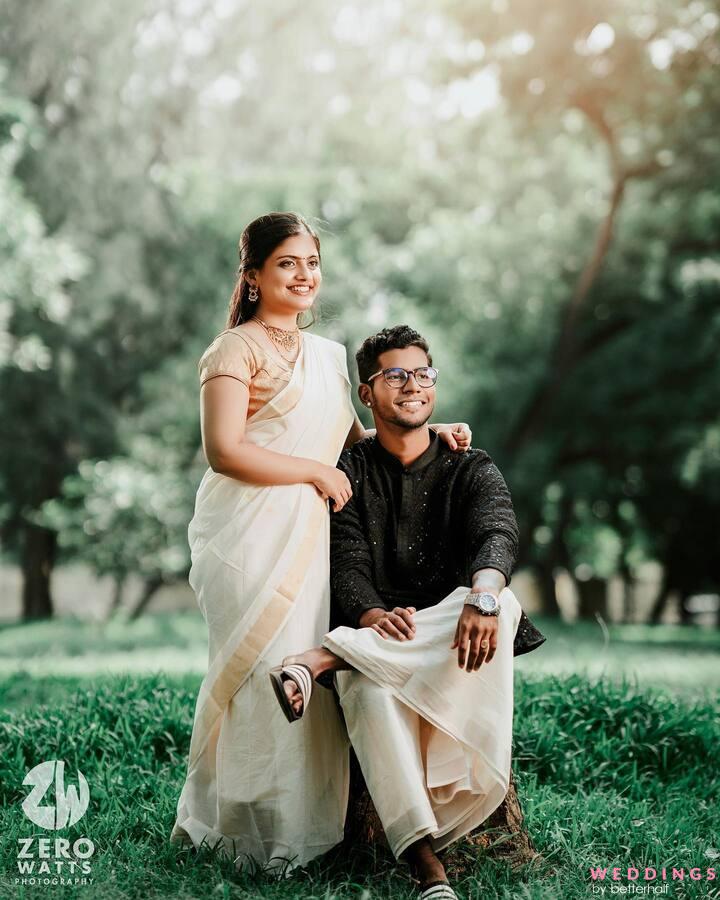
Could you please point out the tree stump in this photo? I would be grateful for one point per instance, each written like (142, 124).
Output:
(502, 836)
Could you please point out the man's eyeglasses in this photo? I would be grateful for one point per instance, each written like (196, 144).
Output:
(425, 376)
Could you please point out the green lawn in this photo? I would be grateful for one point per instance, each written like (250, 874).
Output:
(617, 770)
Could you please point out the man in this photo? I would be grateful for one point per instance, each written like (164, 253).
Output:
(424, 667)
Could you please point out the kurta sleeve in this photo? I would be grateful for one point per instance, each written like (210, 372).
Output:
(490, 525)
(229, 354)
(352, 587)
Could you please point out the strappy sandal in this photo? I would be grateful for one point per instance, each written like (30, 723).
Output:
(438, 890)
(303, 678)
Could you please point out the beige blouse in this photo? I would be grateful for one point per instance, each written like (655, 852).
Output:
(237, 354)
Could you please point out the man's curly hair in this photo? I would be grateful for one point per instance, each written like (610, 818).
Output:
(396, 338)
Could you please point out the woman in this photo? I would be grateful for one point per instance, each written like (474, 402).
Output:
(275, 414)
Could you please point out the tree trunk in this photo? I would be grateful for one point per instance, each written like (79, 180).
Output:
(662, 598)
(548, 595)
(563, 355)
(593, 598)
(502, 835)
(566, 353)
(38, 558)
(685, 614)
(557, 556)
(152, 585)
(117, 596)
(629, 592)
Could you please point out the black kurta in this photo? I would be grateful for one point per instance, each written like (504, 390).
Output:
(410, 535)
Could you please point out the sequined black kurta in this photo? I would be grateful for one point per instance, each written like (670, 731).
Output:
(410, 535)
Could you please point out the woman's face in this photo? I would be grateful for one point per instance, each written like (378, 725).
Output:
(290, 277)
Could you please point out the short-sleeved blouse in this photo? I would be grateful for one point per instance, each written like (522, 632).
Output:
(238, 355)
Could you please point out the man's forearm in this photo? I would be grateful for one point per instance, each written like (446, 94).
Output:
(491, 580)
(352, 591)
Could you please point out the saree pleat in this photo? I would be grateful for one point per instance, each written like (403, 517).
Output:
(257, 788)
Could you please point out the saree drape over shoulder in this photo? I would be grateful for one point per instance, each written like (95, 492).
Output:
(260, 570)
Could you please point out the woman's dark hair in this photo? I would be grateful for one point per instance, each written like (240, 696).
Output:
(257, 242)
(396, 338)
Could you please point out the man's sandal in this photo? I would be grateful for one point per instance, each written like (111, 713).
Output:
(303, 678)
(438, 890)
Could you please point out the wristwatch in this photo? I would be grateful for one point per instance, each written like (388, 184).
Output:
(484, 602)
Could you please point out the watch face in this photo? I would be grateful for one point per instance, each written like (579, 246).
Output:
(487, 602)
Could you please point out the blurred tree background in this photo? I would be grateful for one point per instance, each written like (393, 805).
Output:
(534, 188)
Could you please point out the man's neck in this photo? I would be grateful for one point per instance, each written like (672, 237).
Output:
(406, 444)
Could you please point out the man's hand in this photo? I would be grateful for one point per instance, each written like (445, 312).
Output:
(397, 624)
(473, 629)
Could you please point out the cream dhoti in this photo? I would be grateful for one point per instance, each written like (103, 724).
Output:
(260, 568)
(433, 741)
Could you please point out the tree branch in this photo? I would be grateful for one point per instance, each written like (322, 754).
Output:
(565, 354)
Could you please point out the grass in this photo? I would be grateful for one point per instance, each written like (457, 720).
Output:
(675, 658)
(611, 770)
(667, 657)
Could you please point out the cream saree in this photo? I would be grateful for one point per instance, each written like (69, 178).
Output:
(257, 787)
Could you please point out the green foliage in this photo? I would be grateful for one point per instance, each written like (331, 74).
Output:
(479, 173)
(128, 514)
(35, 371)
(609, 104)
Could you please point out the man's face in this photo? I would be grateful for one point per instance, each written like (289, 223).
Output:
(409, 406)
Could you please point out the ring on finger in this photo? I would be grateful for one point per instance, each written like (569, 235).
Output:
(484, 644)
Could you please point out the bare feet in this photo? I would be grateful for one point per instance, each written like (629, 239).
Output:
(426, 867)
(319, 660)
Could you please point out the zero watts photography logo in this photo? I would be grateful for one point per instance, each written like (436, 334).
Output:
(57, 860)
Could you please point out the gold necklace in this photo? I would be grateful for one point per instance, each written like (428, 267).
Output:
(282, 338)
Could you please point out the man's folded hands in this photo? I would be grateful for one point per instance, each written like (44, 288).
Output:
(398, 624)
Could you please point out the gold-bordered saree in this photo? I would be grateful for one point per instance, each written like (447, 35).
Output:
(258, 787)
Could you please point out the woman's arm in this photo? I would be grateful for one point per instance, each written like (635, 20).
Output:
(357, 433)
(223, 414)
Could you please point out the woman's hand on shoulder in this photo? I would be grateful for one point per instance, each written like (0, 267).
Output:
(457, 436)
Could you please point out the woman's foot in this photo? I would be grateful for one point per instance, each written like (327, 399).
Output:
(319, 661)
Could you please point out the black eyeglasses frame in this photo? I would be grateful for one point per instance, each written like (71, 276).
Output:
(407, 373)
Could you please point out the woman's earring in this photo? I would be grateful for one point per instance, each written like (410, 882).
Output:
(253, 294)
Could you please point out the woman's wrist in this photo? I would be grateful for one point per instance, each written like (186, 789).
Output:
(310, 470)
